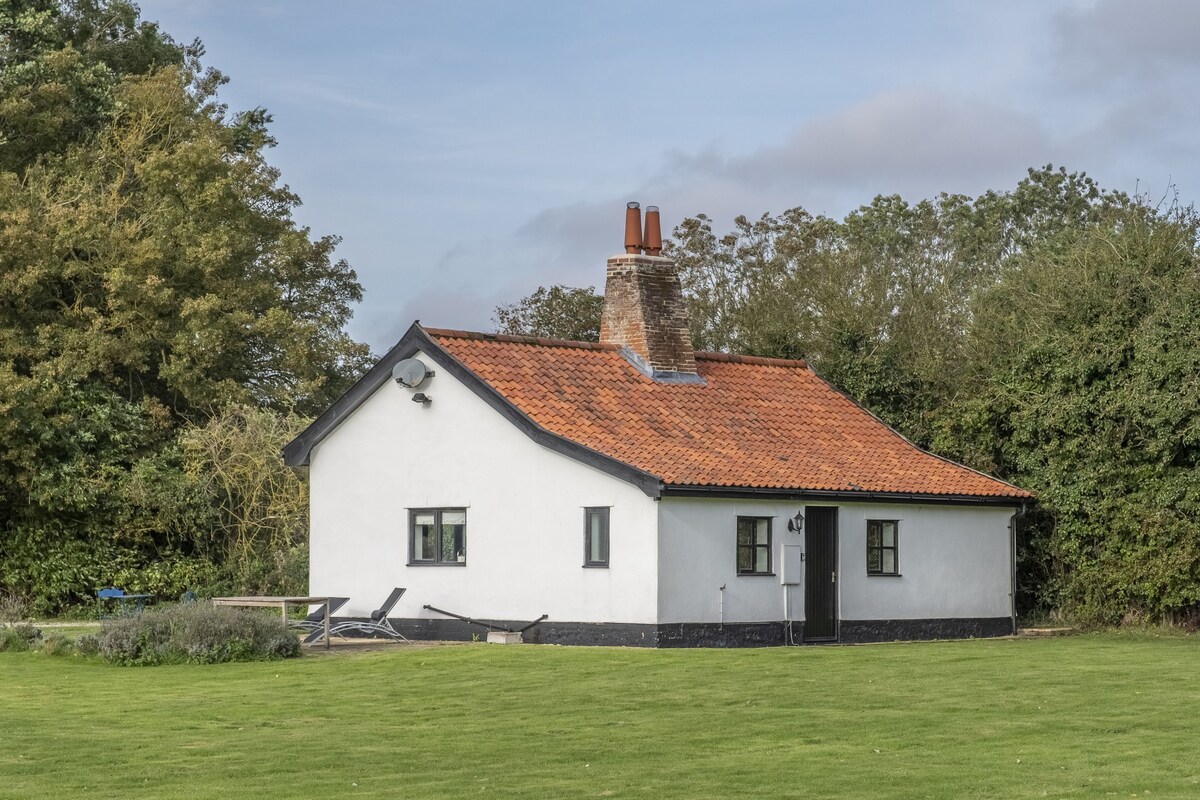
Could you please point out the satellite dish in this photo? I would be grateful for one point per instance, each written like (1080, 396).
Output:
(410, 373)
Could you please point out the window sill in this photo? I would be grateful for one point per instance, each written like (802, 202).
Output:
(756, 575)
(884, 575)
(595, 566)
(437, 563)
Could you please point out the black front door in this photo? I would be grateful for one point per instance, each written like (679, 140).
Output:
(820, 574)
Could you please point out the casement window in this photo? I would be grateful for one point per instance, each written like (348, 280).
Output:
(595, 537)
(437, 536)
(883, 547)
(754, 545)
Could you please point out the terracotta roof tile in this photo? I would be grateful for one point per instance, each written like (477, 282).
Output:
(755, 423)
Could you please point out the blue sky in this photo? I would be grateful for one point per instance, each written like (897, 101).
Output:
(468, 152)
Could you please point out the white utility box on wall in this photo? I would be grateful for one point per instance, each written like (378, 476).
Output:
(791, 572)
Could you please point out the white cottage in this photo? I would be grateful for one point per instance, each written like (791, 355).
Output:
(638, 493)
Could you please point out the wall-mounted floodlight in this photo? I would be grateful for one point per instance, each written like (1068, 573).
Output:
(422, 398)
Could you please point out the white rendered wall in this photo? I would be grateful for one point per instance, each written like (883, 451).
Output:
(698, 555)
(954, 563)
(525, 546)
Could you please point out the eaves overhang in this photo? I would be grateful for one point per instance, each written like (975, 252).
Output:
(848, 495)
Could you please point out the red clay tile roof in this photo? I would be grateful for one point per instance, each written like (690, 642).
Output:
(757, 422)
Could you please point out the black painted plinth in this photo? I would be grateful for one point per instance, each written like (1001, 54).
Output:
(908, 630)
(705, 634)
(735, 634)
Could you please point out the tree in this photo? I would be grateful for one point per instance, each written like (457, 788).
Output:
(151, 275)
(1086, 392)
(60, 64)
(560, 312)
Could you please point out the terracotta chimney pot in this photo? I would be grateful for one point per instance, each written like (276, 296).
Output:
(653, 237)
(633, 228)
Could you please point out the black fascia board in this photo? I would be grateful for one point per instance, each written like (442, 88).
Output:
(296, 453)
(862, 496)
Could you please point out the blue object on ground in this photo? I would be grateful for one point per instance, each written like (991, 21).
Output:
(112, 596)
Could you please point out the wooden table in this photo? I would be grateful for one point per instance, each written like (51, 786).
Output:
(281, 603)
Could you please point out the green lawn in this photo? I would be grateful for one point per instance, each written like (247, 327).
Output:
(1087, 716)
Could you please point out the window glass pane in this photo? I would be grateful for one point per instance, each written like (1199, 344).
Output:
(763, 561)
(744, 559)
(745, 531)
(425, 543)
(873, 536)
(439, 536)
(873, 560)
(764, 532)
(598, 548)
(453, 541)
(889, 560)
(889, 534)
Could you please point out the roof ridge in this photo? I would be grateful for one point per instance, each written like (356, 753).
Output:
(762, 361)
(450, 333)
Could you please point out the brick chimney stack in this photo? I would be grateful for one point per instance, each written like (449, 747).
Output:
(644, 311)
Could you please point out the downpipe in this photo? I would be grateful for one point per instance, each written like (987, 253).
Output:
(1012, 575)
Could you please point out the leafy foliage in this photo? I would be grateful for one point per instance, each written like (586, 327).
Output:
(18, 637)
(560, 312)
(1095, 357)
(56, 644)
(60, 64)
(152, 279)
(261, 504)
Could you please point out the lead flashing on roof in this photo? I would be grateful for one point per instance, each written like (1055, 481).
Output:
(658, 376)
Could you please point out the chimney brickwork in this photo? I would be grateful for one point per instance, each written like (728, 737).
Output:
(644, 311)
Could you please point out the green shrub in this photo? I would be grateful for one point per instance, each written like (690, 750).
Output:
(13, 607)
(87, 644)
(18, 637)
(195, 633)
(55, 644)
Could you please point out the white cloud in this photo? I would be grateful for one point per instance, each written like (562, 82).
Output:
(899, 141)
(1117, 40)
(914, 143)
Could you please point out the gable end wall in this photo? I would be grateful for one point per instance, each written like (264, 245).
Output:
(524, 515)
